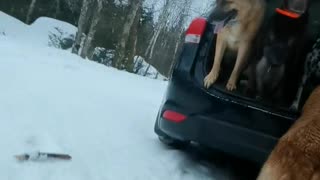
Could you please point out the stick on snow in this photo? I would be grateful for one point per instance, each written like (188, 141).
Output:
(40, 156)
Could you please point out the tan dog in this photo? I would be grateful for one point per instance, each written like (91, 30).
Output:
(297, 154)
(236, 37)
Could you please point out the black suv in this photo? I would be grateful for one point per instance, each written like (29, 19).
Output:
(226, 121)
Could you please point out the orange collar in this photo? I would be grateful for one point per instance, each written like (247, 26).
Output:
(288, 13)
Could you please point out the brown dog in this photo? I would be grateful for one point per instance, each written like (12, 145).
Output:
(237, 37)
(297, 154)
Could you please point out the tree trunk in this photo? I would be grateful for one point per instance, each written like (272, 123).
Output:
(120, 56)
(176, 50)
(57, 9)
(160, 25)
(174, 59)
(82, 26)
(30, 11)
(132, 42)
(154, 43)
(129, 61)
(87, 50)
(146, 71)
(180, 35)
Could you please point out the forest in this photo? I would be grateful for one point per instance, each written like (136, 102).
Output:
(119, 33)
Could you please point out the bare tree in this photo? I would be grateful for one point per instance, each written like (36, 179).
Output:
(74, 5)
(160, 25)
(133, 41)
(83, 25)
(121, 59)
(87, 50)
(180, 25)
(165, 43)
(57, 9)
(146, 71)
(30, 11)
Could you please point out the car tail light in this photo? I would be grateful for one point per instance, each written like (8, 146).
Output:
(196, 30)
(174, 116)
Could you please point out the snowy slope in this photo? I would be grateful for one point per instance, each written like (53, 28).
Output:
(49, 31)
(52, 100)
(38, 33)
(10, 26)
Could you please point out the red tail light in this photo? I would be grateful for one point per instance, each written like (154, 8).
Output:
(196, 30)
(174, 116)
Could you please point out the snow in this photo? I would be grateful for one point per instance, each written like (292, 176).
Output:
(46, 29)
(41, 30)
(58, 34)
(10, 26)
(54, 101)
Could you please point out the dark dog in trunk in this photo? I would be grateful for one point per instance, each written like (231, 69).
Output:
(276, 66)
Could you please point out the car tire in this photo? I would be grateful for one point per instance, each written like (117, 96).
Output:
(174, 143)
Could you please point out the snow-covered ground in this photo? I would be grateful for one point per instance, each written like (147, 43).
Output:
(54, 101)
(39, 33)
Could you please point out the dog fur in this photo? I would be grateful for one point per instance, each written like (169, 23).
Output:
(297, 154)
(237, 37)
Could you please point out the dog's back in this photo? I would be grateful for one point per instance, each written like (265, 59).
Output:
(297, 154)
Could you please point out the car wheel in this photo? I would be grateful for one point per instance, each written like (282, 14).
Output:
(174, 143)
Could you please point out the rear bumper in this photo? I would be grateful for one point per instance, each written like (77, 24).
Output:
(232, 128)
(237, 141)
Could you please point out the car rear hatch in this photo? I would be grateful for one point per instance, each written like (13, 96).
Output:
(204, 61)
(194, 64)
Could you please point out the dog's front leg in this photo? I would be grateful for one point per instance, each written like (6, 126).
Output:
(241, 60)
(219, 52)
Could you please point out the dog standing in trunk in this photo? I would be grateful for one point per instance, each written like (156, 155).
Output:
(237, 36)
(297, 154)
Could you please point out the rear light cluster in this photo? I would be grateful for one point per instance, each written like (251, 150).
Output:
(174, 116)
(196, 30)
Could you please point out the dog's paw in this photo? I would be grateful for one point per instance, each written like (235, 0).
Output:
(231, 85)
(210, 79)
